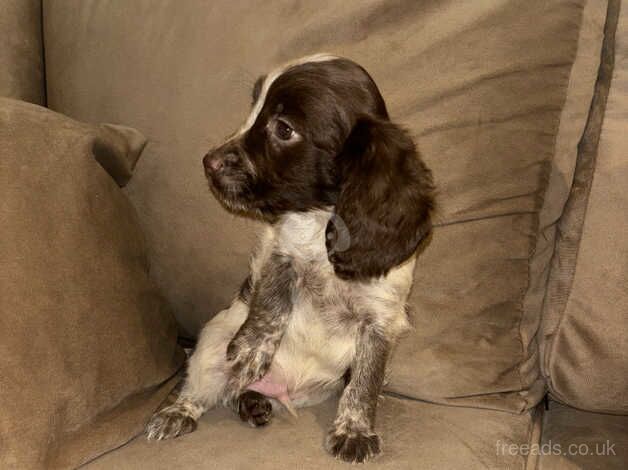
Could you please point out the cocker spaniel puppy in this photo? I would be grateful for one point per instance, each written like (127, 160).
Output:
(347, 201)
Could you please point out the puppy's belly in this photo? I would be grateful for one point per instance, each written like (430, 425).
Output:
(312, 358)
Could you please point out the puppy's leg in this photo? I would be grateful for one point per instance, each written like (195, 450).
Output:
(206, 376)
(352, 437)
(254, 345)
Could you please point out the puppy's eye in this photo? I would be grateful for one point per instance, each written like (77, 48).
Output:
(283, 130)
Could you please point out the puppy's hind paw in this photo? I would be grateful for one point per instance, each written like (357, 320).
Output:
(254, 408)
(169, 423)
(353, 446)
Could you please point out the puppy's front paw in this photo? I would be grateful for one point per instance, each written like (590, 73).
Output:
(169, 423)
(353, 446)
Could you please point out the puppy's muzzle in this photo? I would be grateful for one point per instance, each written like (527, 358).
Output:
(218, 162)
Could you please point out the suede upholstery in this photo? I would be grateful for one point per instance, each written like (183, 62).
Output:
(87, 345)
(574, 439)
(415, 435)
(21, 51)
(586, 313)
(502, 98)
(481, 85)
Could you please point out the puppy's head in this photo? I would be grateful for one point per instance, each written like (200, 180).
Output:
(318, 135)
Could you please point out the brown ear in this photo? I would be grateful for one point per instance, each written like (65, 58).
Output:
(385, 201)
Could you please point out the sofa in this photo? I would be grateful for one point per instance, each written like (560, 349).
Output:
(114, 254)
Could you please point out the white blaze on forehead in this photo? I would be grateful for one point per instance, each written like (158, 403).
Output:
(268, 81)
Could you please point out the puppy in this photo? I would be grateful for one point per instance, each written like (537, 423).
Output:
(347, 201)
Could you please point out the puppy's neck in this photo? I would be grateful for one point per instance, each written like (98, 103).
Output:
(302, 234)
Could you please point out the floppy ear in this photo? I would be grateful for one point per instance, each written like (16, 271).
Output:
(385, 201)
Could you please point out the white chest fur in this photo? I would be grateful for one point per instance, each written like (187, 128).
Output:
(319, 343)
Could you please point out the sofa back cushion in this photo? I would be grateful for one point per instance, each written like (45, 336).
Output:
(87, 345)
(481, 86)
(585, 327)
(21, 51)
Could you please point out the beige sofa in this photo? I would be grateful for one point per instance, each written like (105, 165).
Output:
(521, 111)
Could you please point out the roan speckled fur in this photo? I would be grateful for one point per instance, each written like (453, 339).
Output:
(347, 201)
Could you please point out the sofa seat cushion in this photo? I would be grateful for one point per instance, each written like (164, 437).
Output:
(415, 434)
(575, 439)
